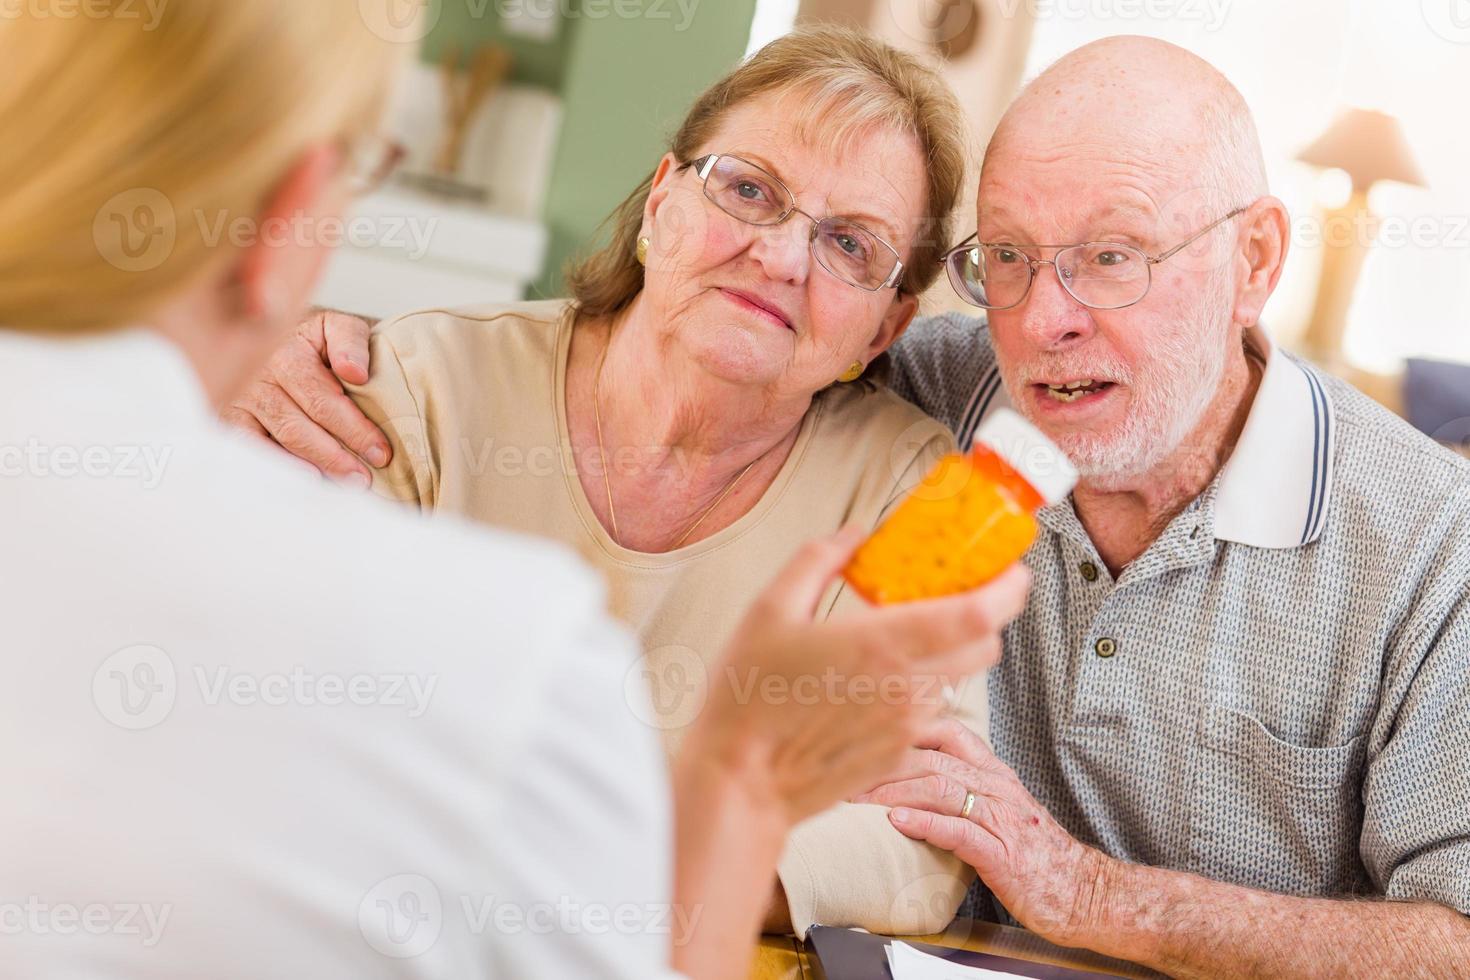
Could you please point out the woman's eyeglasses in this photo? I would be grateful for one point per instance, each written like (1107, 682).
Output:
(844, 248)
(1099, 275)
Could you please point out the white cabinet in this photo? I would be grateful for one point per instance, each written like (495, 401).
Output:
(409, 250)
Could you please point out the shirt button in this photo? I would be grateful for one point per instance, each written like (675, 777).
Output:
(1089, 571)
(1106, 647)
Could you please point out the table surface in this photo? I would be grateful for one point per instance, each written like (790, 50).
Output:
(781, 957)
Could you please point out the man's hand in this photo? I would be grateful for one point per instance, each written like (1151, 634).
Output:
(298, 401)
(1043, 875)
(1172, 921)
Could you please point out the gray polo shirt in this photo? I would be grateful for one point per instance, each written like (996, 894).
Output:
(1277, 692)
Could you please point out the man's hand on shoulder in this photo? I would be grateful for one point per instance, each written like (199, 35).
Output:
(298, 401)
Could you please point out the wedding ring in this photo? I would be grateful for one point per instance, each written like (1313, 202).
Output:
(969, 805)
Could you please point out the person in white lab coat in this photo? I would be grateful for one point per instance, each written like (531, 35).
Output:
(213, 771)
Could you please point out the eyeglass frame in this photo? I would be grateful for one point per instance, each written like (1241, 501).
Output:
(705, 165)
(1032, 264)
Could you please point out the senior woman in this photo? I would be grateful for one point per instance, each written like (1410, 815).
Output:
(699, 406)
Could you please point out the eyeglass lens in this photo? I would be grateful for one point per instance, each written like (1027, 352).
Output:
(844, 248)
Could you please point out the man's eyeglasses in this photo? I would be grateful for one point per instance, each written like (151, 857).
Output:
(844, 248)
(1100, 275)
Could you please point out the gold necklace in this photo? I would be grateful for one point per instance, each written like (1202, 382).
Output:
(612, 511)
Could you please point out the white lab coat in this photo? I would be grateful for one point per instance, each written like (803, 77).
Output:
(255, 726)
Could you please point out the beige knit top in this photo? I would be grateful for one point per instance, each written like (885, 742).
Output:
(475, 405)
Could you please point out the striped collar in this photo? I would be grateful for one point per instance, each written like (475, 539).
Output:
(1276, 486)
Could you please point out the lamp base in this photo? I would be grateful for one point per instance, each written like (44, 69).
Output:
(1347, 233)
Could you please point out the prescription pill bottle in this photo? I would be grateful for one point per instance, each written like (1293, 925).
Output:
(970, 520)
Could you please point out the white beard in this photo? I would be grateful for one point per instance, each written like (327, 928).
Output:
(1168, 399)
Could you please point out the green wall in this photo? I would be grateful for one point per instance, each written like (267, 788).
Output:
(469, 23)
(626, 70)
(628, 83)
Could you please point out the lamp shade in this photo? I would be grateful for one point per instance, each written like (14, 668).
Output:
(1369, 145)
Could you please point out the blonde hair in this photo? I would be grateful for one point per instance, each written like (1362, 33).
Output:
(851, 85)
(199, 113)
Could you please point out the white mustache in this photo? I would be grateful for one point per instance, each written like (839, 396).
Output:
(1114, 373)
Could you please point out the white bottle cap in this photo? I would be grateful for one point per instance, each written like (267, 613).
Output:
(1029, 453)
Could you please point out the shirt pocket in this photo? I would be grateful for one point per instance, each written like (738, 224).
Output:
(1273, 815)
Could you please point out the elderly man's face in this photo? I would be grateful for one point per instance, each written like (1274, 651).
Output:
(1153, 367)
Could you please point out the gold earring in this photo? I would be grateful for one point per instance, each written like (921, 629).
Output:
(643, 244)
(853, 373)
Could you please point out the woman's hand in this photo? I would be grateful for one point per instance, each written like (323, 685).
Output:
(299, 404)
(799, 715)
(823, 710)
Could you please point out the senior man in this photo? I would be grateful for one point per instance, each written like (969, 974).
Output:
(1231, 730)
(1239, 700)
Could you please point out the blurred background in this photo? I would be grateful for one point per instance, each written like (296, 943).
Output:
(528, 121)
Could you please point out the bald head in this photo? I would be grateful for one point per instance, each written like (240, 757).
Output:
(1146, 158)
(1145, 103)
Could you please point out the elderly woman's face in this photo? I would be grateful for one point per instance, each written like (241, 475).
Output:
(752, 305)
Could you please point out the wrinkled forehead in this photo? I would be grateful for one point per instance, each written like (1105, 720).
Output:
(1088, 191)
(1060, 169)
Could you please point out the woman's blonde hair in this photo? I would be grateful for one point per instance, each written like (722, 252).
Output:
(850, 85)
(120, 126)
